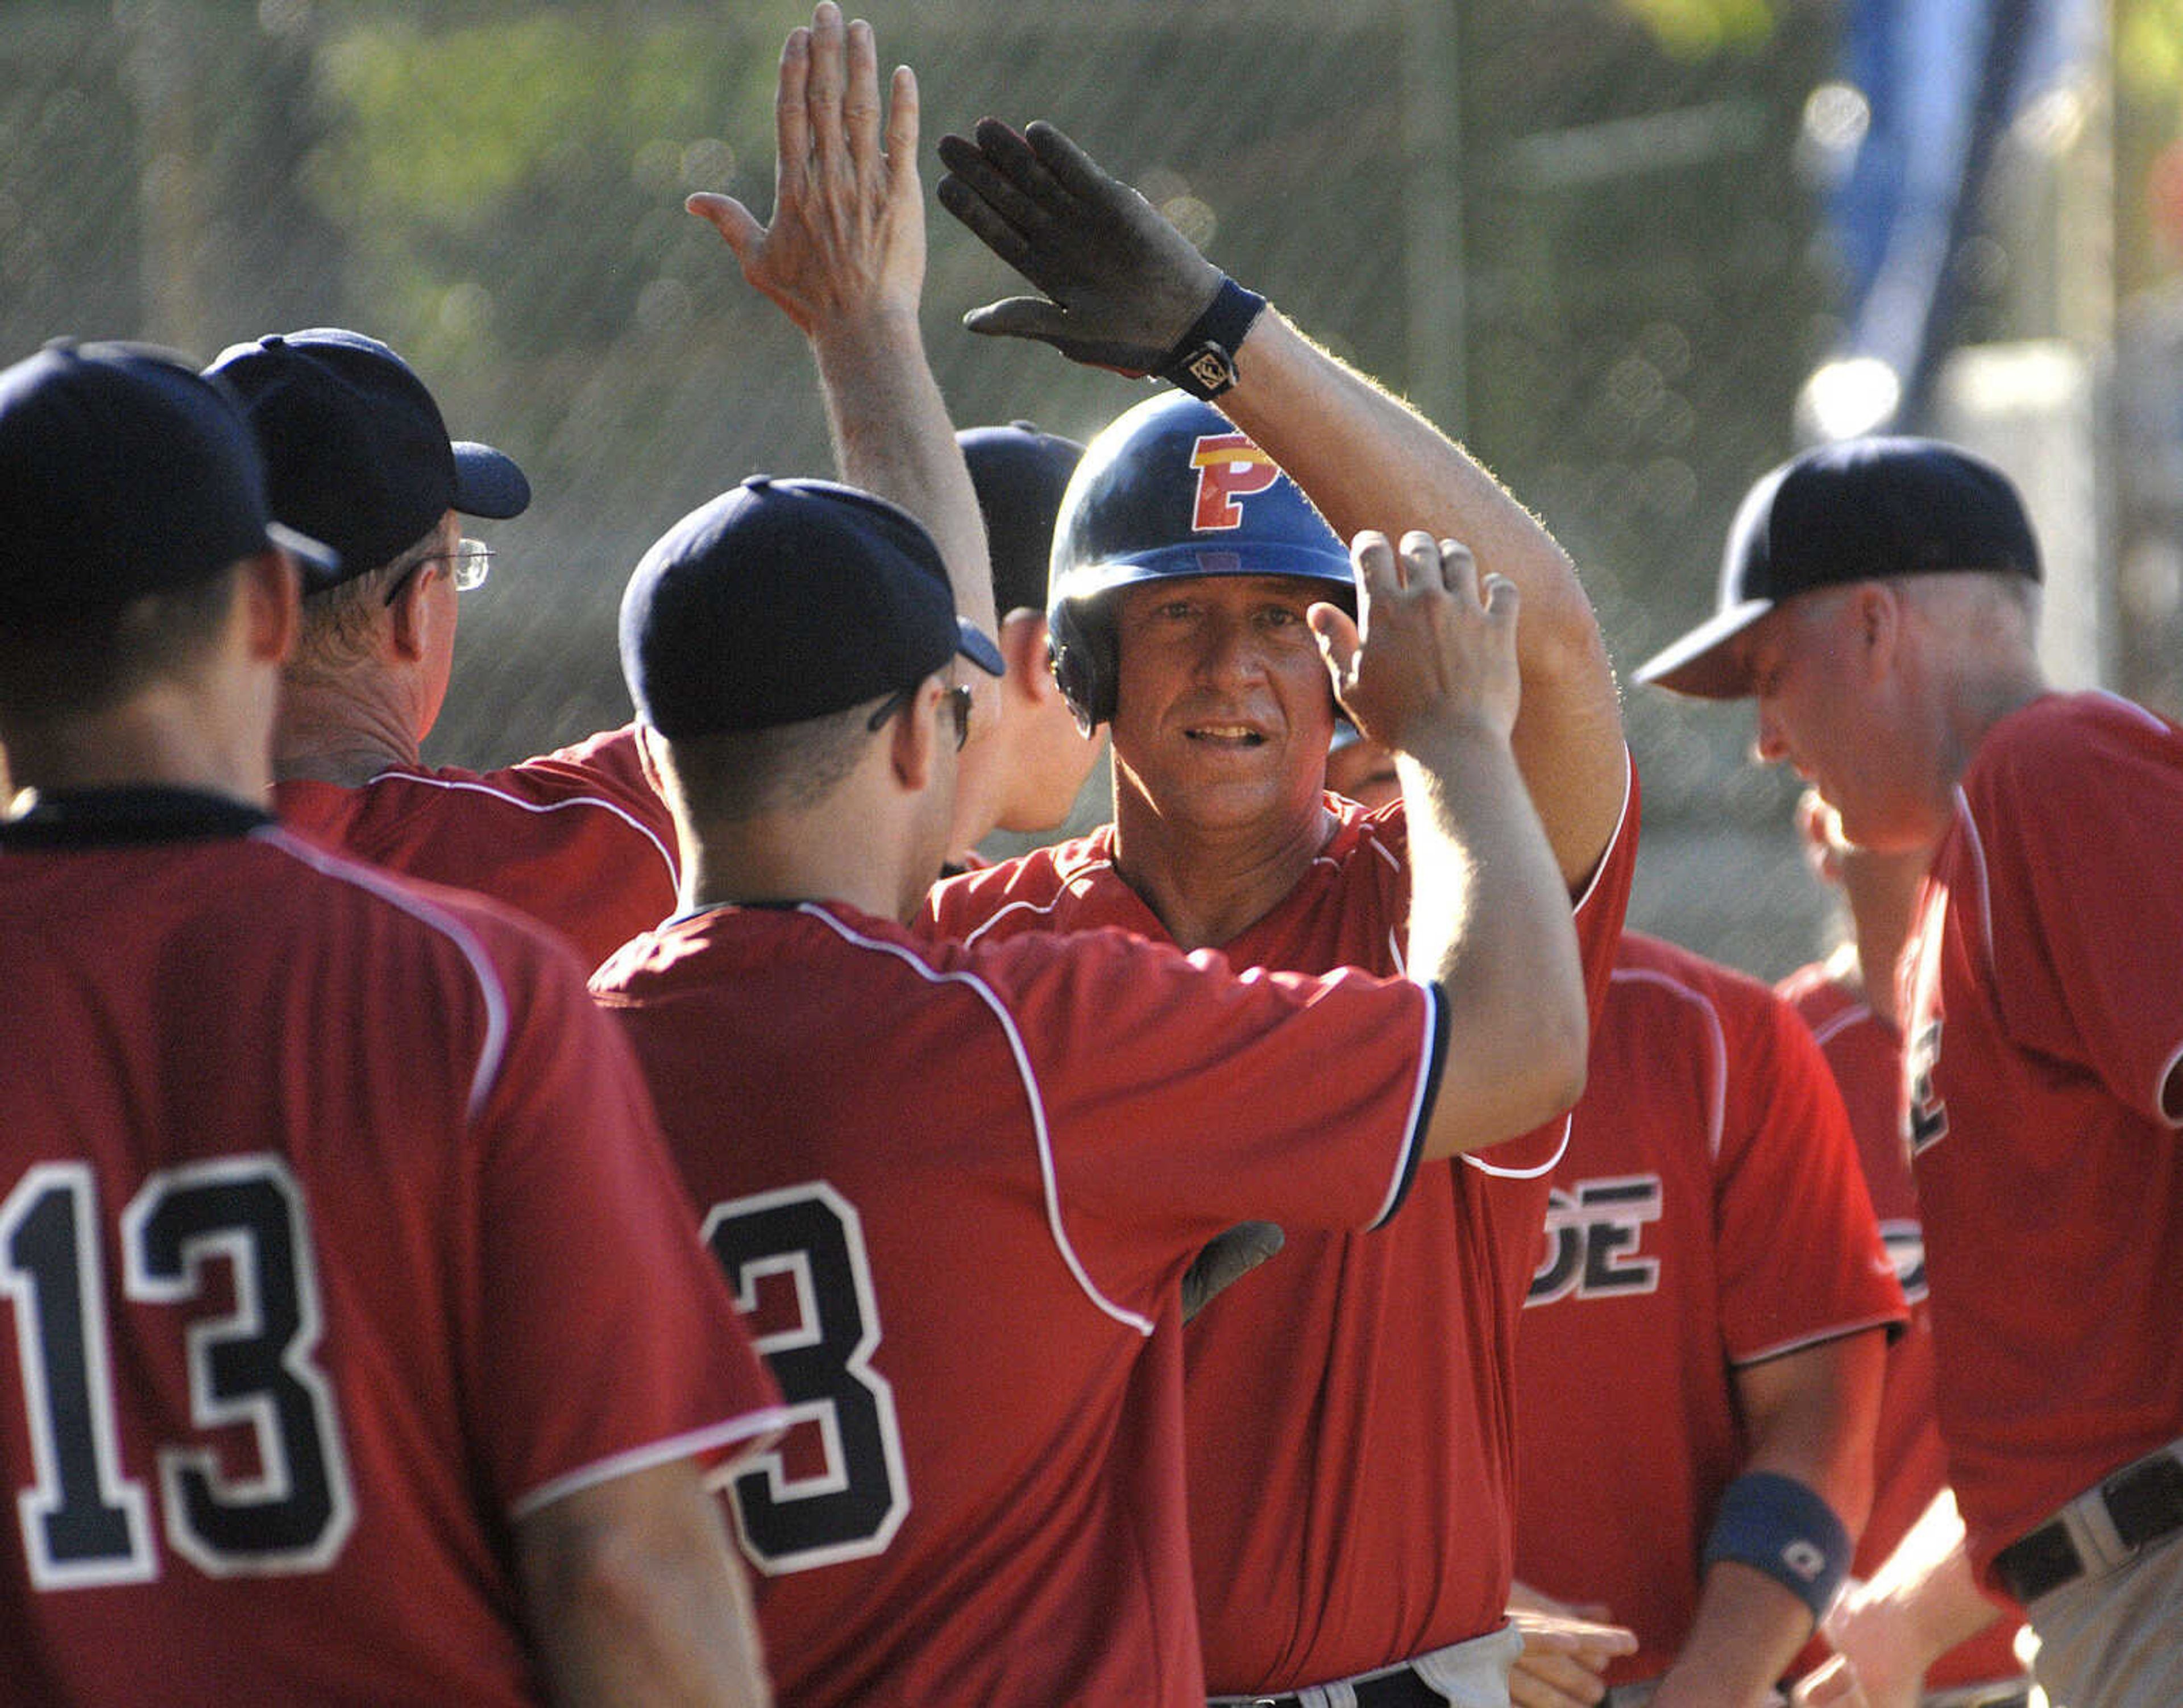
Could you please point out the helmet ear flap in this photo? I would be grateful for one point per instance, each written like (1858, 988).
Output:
(1083, 667)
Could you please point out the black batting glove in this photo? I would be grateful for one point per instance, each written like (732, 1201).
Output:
(1124, 290)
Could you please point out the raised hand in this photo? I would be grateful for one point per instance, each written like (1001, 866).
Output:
(1432, 648)
(1123, 285)
(848, 235)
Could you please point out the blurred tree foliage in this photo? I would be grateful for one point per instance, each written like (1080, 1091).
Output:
(2148, 89)
(520, 177)
(1693, 29)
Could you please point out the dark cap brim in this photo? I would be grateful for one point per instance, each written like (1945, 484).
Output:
(977, 646)
(1701, 664)
(488, 483)
(320, 563)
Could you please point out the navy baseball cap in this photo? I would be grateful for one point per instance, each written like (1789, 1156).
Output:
(357, 453)
(784, 600)
(124, 473)
(1020, 473)
(1858, 510)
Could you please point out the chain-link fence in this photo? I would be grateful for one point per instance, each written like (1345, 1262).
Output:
(1580, 241)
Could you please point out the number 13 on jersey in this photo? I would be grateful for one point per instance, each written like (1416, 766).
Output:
(83, 1520)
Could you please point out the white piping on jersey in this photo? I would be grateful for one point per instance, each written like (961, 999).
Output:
(1977, 845)
(2135, 710)
(769, 1421)
(986, 994)
(1716, 1045)
(1406, 1161)
(1547, 1167)
(1047, 906)
(1621, 824)
(1834, 1025)
(1817, 1337)
(2160, 1086)
(469, 787)
(1368, 837)
(487, 1070)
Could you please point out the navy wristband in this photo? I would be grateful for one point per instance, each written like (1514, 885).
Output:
(1781, 1527)
(1204, 359)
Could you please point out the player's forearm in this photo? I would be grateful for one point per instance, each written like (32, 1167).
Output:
(1920, 1603)
(631, 1594)
(1812, 1415)
(1490, 921)
(1746, 1632)
(1367, 460)
(892, 437)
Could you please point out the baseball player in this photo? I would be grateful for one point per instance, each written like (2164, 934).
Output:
(358, 454)
(957, 1188)
(1878, 600)
(1853, 1017)
(1040, 757)
(1701, 1356)
(361, 1337)
(1350, 1437)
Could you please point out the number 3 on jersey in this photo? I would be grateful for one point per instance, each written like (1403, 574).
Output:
(83, 1522)
(809, 1243)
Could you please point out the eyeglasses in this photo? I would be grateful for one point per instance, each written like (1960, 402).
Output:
(468, 566)
(956, 699)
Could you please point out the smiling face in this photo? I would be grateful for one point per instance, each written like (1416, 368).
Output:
(1223, 708)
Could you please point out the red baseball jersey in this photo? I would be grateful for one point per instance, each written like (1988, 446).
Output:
(339, 1236)
(1909, 1465)
(1707, 1215)
(957, 1188)
(578, 838)
(1350, 1432)
(2044, 1017)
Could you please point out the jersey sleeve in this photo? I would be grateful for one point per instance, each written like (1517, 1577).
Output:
(1600, 911)
(612, 762)
(1174, 1092)
(961, 905)
(608, 1338)
(2082, 946)
(1801, 1259)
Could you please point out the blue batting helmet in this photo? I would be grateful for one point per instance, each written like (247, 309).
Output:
(1171, 488)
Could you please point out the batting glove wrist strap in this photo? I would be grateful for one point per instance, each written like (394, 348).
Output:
(1781, 1527)
(1204, 359)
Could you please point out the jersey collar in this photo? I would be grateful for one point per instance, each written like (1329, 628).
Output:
(133, 816)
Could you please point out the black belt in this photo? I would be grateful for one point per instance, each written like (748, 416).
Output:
(1399, 1689)
(2144, 1502)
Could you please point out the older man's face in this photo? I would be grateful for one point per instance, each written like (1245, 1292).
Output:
(1824, 670)
(1222, 709)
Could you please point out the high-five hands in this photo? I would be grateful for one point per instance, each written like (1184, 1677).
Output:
(1433, 650)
